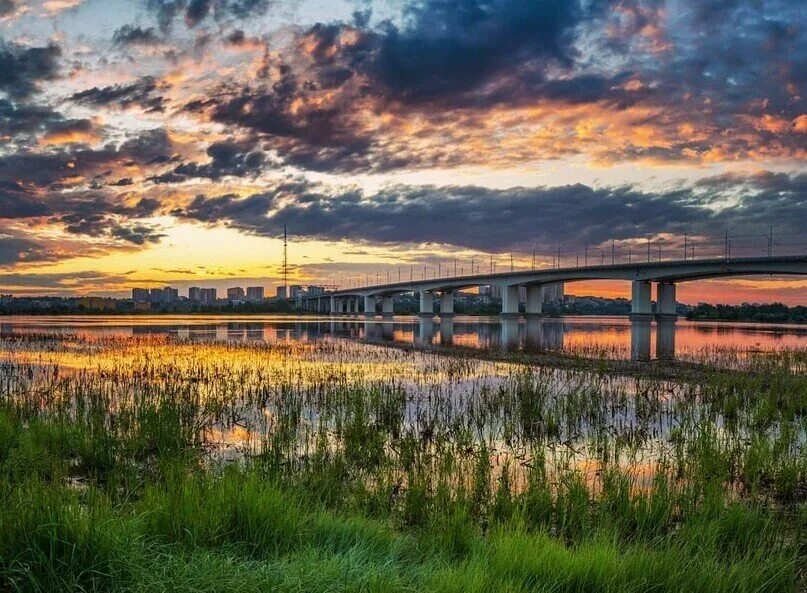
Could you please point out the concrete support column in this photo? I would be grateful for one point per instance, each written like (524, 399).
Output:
(369, 306)
(509, 301)
(665, 299)
(447, 304)
(351, 305)
(332, 305)
(535, 295)
(426, 304)
(640, 298)
(386, 306)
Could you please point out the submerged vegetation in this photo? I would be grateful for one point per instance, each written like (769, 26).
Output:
(152, 463)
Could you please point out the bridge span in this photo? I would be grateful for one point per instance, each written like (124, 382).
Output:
(642, 275)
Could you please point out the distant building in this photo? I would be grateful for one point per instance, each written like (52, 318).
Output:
(281, 293)
(255, 293)
(156, 296)
(140, 295)
(170, 295)
(208, 296)
(315, 290)
(295, 291)
(195, 294)
(235, 294)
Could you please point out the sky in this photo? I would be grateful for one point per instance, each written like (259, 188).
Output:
(169, 142)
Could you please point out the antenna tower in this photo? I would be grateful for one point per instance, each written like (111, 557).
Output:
(285, 262)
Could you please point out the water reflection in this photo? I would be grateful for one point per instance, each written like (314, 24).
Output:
(612, 337)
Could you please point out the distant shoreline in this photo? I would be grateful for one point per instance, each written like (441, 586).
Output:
(359, 317)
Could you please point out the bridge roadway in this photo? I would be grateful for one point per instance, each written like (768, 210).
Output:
(666, 274)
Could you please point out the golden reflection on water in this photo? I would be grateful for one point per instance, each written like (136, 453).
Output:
(250, 383)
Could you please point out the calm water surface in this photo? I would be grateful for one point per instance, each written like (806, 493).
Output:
(294, 385)
(613, 337)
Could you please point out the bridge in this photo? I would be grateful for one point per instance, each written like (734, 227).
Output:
(537, 282)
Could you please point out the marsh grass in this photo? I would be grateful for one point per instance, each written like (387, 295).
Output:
(155, 464)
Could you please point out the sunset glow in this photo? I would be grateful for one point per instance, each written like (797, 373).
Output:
(155, 142)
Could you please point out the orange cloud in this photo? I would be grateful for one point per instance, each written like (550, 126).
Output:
(69, 137)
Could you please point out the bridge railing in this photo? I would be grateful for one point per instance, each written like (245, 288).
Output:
(571, 255)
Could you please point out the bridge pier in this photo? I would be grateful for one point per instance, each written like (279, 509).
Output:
(510, 301)
(426, 304)
(640, 303)
(535, 296)
(332, 305)
(447, 304)
(369, 306)
(386, 306)
(665, 300)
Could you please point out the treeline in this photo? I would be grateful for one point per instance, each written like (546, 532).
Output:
(773, 312)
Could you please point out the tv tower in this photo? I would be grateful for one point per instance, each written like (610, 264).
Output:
(285, 263)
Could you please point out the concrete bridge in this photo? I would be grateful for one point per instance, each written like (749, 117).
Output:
(642, 275)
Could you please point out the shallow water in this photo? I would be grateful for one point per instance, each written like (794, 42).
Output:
(610, 337)
(251, 384)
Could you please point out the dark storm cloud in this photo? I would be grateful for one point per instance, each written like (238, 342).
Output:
(496, 220)
(132, 35)
(196, 11)
(143, 93)
(23, 68)
(7, 7)
(43, 170)
(90, 214)
(453, 46)
(14, 249)
(240, 159)
(59, 280)
(16, 203)
(23, 120)
(97, 215)
(694, 67)
(31, 185)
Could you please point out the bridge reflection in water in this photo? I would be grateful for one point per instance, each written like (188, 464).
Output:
(531, 335)
(592, 337)
(538, 335)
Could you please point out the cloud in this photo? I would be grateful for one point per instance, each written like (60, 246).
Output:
(14, 249)
(499, 220)
(144, 93)
(23, 122)
(130, 35)
(196, 11)
(7, 7)
(23, 68)
(227, 158)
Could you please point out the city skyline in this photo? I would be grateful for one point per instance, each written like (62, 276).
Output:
(156, 142)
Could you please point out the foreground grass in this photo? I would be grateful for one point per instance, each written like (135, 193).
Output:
(68, 524)
(236, 532)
